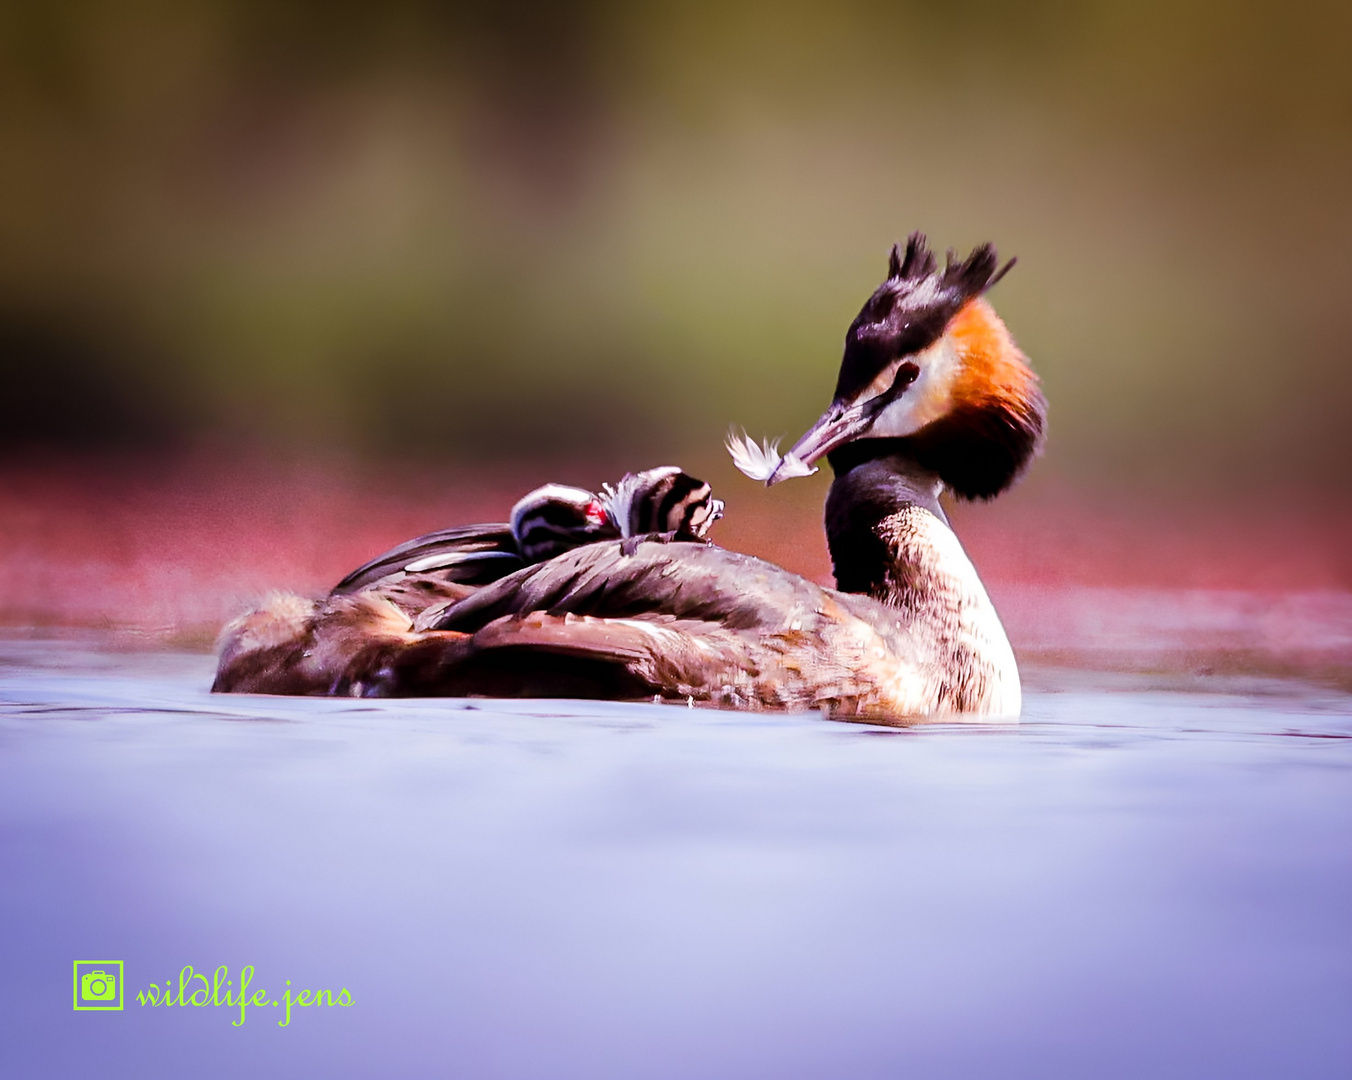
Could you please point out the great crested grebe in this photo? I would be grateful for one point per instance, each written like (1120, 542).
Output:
(932, 393)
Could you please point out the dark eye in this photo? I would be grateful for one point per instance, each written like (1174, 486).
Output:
(906, 374)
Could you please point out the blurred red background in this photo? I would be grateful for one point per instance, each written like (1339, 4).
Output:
(282, 284)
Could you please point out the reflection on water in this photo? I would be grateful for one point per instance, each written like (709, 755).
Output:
(1144, 878)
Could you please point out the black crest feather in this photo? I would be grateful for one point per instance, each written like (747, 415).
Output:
(894, 263)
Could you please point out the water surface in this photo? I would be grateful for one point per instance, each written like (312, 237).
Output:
(1146, 877)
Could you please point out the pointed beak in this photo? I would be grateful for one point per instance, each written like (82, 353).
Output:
(838, 425)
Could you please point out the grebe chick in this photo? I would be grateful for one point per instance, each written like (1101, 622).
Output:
(932, 394)
(665, 501)
(546, 522)
(553, 519)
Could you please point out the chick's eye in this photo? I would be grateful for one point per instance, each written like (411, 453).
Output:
(906, 374)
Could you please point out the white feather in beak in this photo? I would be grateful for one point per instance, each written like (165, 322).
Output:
(760, 462)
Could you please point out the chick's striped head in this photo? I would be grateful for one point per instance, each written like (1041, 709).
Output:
(554, 518)
(662, 500)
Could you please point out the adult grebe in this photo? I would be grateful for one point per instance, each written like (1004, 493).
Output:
(932, 392)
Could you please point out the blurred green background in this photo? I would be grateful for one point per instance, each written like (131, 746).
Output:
(589, 228)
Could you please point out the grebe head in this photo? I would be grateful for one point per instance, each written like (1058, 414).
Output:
(662, 500)
(930, 368)
(554, 518)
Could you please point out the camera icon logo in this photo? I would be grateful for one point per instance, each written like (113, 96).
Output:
(98, 984)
